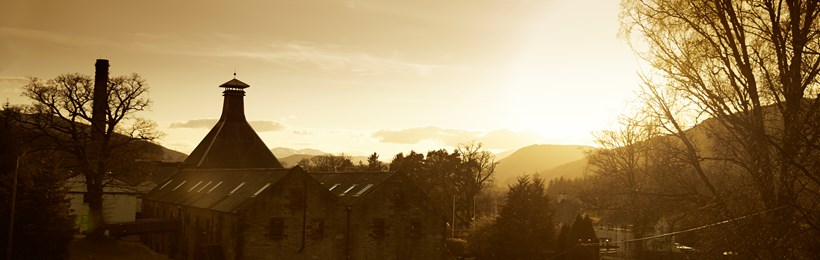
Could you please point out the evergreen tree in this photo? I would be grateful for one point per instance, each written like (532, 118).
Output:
(524, 228)
(581, 240)
(42, 226)
(373, 163)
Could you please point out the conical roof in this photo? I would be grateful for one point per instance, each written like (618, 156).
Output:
(232, 143)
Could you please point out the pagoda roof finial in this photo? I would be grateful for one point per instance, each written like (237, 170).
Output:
(234, 84)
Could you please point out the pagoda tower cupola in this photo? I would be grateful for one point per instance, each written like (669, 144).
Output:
(232, 143)
(234, 105)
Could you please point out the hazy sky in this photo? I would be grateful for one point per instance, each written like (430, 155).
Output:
(357, 77)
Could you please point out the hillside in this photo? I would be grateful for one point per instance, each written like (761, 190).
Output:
(568, 170)
(538, 159)
(169, 155)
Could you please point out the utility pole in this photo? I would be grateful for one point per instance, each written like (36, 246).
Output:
(13, 202)
(453, 228)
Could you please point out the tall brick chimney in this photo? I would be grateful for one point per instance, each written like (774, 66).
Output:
(100, 101)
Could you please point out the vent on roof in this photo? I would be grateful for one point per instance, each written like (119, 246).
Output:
(194, 187)
(334, 186)
(214, 187)
(166, 184)
(237, 188)
(180, 184)
(348, 189)
(205, 186)
(260, 190)
(363, 190)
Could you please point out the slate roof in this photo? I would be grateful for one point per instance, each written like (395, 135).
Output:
(350, 186)
(232, 142)
(225, 190)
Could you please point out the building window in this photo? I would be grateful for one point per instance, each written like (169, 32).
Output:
(415, 229)
(317, 228)
(379, 229)
(276, 228)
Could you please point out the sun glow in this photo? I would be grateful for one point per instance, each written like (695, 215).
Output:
(565, 83)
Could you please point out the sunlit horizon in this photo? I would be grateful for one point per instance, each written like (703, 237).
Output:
(506, 74)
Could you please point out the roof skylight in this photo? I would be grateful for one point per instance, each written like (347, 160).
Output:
(260, 190)
(204, 186)
(214, 187)
(334, 186)
(348, 189)
(180, 184)
(237, 188)
(166, 184)
(194, 187)
(363, 190)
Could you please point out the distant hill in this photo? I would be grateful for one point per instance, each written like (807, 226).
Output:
(169, 155)
(290, 157)
(282, 152)
(568, 170)
(504, 154)
(539, 159)
(294, 159)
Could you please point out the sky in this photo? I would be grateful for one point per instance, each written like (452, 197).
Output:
(352, 77)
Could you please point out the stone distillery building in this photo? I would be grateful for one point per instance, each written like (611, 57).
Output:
(232, 199)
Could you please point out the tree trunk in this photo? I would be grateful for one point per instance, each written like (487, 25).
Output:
(94, 196)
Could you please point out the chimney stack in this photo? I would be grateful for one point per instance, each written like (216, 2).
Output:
(100, 101)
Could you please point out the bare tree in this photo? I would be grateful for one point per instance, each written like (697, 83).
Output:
(751, 66)
(62, 113)
(328, 163)
(478, 166)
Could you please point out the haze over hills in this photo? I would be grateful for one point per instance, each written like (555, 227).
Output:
(542, 159)
(169, 155)
(282, 152)
(290, 157)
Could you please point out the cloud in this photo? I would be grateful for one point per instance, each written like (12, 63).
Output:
(495, 139)
(302, 132)
(12, 84)
(259, 126)
(196, 123)
(267, 126)
(53, 37)
(508, 139)
(5, 80)
(332, 57)
(415, 135)
(288, 54)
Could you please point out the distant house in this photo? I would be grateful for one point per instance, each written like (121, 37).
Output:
(122, 202)
(232, 199)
